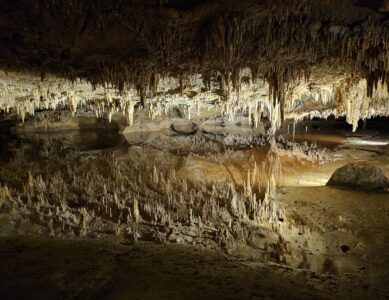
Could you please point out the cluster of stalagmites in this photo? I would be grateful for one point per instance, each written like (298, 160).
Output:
(137, 202)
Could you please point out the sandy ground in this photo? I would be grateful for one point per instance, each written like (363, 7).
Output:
(339, 218)
(38, 268)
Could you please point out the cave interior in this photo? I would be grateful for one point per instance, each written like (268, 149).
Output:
(186, 149)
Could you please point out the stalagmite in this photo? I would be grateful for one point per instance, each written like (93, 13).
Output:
(83, 221)
(294, 129)
(72, 102)
(136, 211)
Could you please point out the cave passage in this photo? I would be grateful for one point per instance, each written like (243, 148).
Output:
(169, 149)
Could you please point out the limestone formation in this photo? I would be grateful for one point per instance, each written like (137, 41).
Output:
(186, 121)
(261, 60)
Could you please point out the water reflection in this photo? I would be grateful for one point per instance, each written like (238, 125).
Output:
(184, 189)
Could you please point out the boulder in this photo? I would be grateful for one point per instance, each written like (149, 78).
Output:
(361, 175)
(184, 127)
(143, 127)
(168, 127)
(240, 127)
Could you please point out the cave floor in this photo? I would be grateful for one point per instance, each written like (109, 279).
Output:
(39, 268)
(36, 267)
(330, 243)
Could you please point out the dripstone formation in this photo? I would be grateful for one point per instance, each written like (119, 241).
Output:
(298, 58)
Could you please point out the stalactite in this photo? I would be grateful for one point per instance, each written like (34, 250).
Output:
(282, 46)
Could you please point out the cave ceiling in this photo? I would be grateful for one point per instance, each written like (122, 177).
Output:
(131, 45)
